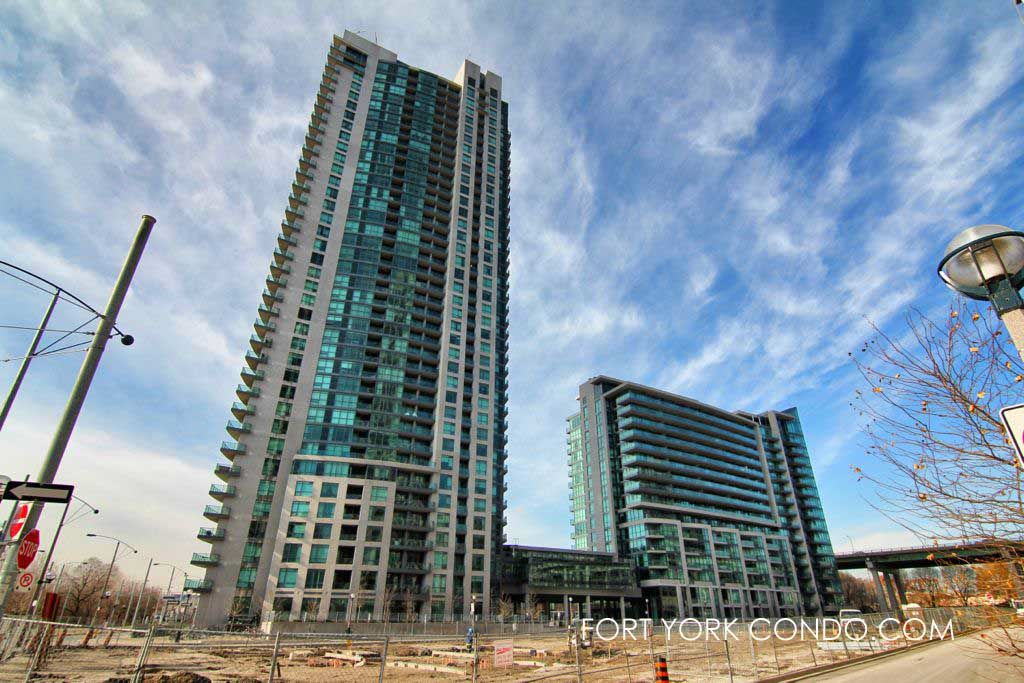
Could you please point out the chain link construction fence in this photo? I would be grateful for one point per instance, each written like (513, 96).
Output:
(40, 650)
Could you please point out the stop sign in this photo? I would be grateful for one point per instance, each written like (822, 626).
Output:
(27, 549)
(18, 523)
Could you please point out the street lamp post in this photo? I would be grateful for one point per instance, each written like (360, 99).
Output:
(169, 581)
(348, 612)
(986, 263)
(142, 593)
(110, 568)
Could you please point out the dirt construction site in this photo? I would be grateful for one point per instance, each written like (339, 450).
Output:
(60, 652)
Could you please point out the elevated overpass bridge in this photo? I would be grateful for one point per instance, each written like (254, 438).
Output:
(887, 563)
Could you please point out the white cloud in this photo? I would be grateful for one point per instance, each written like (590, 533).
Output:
(699, 202)
(147, 494)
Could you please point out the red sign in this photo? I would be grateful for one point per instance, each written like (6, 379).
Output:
(27, 549)
(18, 523)
(502, 653)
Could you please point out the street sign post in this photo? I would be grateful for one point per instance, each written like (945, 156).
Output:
(28, 549)
(44, 493)
(1013, 420)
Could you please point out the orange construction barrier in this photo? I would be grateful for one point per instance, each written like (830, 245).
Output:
(661, 671)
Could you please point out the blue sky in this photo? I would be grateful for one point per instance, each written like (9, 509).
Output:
(712, 198)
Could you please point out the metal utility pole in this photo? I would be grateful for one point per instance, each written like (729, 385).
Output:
(142, 593)
(106, 579)
(29, 355)
(9, 572)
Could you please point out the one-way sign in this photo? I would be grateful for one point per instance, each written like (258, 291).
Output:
(44, 493)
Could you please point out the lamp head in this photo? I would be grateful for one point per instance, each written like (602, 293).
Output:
(986, 262)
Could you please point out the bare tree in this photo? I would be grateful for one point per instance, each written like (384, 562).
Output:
(409, 602)
(959, 582)
(858, 592)
(531, 607)
(938, 456)
(80, 587)
(506, 608)
(391, 591)
(924, 586)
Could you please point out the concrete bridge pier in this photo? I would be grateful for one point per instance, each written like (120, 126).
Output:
(883, 605)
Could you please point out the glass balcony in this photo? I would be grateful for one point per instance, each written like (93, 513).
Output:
(231, 449)
(279, 269)
(257, 343)
(253, 360)
(280, 256)
(264, 328)
(267, 312)
(216, 511)
(298, 188)
(275, 283)
(226, 471)
(240, 410)
(236, 428)
(306, 163)
(221, 491)
(205, 559)
(251, 376)
(284, 241)
(198, 585)
(270, 297)
(302, 175)
(210, 535)
(290, 228)
(246, 392)
(296, 201)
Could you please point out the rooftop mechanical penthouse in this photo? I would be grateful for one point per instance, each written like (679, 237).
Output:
(365, 474)
(718, 511)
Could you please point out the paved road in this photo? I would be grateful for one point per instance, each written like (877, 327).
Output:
(967, 660)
